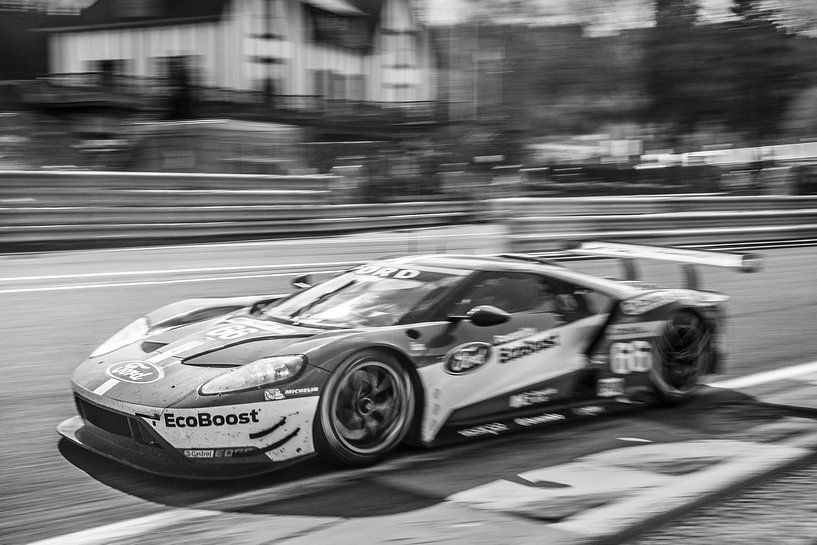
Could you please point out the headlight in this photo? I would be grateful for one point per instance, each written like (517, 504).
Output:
(129, 334)
(263, 372)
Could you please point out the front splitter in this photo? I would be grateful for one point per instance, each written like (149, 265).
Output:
(166, 462)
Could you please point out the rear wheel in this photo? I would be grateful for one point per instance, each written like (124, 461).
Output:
(683, 352)
(365, 411)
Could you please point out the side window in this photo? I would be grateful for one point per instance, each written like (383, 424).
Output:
(512, 292)
(577, 302)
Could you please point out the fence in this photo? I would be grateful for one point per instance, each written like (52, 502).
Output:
(49, 210)
(54, 210)
(543, 224)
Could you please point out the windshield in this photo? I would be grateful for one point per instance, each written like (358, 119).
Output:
(368, 296)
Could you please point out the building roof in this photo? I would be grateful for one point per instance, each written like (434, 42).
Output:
(111, 14)
(104, 14)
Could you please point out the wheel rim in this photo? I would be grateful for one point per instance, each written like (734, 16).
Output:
(683, 348)
(370, 408)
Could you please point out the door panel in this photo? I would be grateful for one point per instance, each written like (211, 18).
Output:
(539, 351)
(479, 363)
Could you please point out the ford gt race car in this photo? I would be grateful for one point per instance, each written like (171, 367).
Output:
(427, 349)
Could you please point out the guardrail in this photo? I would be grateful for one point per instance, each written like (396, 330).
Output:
(536, 225)
(55, 210)
(61, 227)
(22, 181)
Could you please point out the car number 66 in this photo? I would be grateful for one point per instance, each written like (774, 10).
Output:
(231, 331)
(630, 357)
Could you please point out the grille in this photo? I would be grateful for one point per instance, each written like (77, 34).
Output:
(115, 423)
(102, 418)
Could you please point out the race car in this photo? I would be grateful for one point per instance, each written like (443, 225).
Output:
(426, 349)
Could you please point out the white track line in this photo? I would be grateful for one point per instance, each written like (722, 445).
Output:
(406, 236)
(154, 282)
(128, 529)
(177, 271)
(767, 376)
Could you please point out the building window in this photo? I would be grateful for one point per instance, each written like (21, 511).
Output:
(357, 87)
(350, 32)
(108, 72)
(337, 86)
(320, 82)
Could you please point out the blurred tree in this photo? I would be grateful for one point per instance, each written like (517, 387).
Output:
(741, 73)
(801, 118)
(799, 16)
(766, 71)
(673, 57)
(577, 66)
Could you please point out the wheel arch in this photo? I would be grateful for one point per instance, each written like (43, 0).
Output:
(419, 389)
(710, 327)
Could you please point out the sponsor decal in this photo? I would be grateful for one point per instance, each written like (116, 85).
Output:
(650, 301)
(204, 420)
(590, 410)
(387, 272)
(538, 420)
(494, 428)
(533, 397)
(467, 358)
(298, 392)
(135, 372)
(274, 395)
(515, 336)
(526, 347)
(198, 453)
(610, 387)
(630, 331)
(216, 452)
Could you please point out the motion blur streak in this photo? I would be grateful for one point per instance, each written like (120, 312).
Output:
(129, 528)
(152, 282)
(311, 266)
(767, 376)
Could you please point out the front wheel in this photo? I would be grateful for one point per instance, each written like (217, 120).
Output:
(365, 411)
(683, 352)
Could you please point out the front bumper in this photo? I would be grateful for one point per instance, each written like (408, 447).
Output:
(128, 439)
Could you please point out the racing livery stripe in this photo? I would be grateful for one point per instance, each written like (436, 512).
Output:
(103, 388)
(176, 350)
(116, 405)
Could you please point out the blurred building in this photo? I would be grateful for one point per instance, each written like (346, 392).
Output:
(24, 49)
(298, 61)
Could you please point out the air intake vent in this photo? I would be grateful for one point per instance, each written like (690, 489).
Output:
(102, 418)
(148, 347)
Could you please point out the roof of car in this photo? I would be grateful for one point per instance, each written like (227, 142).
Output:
(507, 262)
(520, 263)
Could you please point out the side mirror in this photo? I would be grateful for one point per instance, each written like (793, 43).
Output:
(302, 282)
(487, 315)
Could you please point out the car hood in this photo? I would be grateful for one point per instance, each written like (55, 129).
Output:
(167, 366)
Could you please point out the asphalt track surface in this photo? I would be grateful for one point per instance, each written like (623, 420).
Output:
(56, 307)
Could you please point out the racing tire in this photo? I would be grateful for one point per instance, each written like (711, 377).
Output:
(683, 352)
(365, 411)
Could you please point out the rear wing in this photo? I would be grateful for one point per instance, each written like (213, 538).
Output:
(627, 253)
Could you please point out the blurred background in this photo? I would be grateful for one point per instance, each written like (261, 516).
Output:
(409, 126)
(404, 98)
